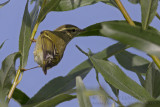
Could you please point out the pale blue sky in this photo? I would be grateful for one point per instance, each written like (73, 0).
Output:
(33, 80)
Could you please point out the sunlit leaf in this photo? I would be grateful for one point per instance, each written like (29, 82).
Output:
(145, 40)
(115, 76)
(134, 1)
(24, 37)
(148, 11)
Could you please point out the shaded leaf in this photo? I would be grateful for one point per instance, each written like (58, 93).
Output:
(145, 40)
(115, 76)
(134, 1)
(60, 85)
(20, 96)
(148, 11)
(146, 104)
(132, 62)
(141, 79)
(3, 4)
(7, 73)
(24, 37)
(83, 98)
(152, 81)
(114, 90)
(56, 100)
(2, 45)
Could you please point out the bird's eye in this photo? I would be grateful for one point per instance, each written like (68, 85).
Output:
(73, 30)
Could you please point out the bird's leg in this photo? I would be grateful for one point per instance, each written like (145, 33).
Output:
(33, 40)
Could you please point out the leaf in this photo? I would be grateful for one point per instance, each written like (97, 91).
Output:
(114, 75)
(50, 6)
(20, 96)
(24, 37)
(66, 5)
(59, 85)
(34, 14)
(154, 103)
(148, 11)
(134, 1)
(132, 62)
(141, 79)
(3, 4)
(56, 100)
(2, 45)
(7, 73)
(83, 99)
(152, 81)
(145, 40)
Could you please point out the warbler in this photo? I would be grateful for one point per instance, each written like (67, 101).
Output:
(50, 45)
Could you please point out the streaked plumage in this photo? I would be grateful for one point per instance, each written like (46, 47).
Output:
(50, 45)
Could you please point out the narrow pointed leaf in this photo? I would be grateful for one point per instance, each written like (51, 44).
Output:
(20, 96)
(154, 103)
(152, 81)
(134, 1)
(141, 79)
(115, 76)
(7, 73)
(54, 101)
(145, 40)
(2, 45)
(24, 38)
(132, 62)
(148, 10)
(83, 98)
(3, 4)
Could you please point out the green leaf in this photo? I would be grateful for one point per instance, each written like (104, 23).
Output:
(83, 98)
(3, 4)
(24, 37)
(7, 73)
(114, 90)
(49, 6)
(154, 103)
(66, 5)
(2, 45)
(20, 96)
(148, 10)
(60, 85)
(134, 1)
(145, 40)
(52, 102)
(132, 62)
(115, 76)
(34, 14)
(141, 79)
(152, 81)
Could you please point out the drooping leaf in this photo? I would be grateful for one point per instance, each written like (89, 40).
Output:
(20, 96)
(83, 98)
(148, 11)
(2, 45)
(152, 81)
(154, 103)
(24, 37)
(52, 102)
(141, 79)
(132, 62)
(3, 4)
(60, 85)
(145, 40)
(7, 73)
(115, 76)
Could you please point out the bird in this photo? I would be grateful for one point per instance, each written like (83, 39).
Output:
(50, 45)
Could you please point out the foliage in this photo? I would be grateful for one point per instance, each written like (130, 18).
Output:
(141, 36)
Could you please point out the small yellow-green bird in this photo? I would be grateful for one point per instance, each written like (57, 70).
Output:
(50, 45)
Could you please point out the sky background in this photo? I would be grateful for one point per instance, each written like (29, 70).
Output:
(10, 24)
